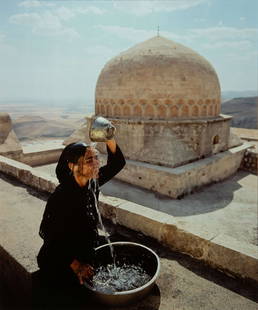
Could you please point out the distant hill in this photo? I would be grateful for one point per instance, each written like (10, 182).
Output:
(231, 94)
(243, 110)
(30, 127)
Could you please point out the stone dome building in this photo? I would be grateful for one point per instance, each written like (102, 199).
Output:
(164, 100)
(158, 79)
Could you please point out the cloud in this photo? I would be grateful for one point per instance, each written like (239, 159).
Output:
(46, 24)
(223, 32)
(89, 9)
(51, 22)
(2, 37)
(101, 50)
(127, 33)
(238, 45)
(35, 4)
(68, 13)
(237, 41)
(25, 19)
(211, 34)
(6, 50)
(64, 13)
(140, 8)
(200, 20)
(137, 35)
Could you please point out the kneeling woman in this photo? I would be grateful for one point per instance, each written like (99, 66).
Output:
(69, 224)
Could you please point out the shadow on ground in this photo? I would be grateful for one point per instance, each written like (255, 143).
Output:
(204, 200)
(243, 287)
(84, 300)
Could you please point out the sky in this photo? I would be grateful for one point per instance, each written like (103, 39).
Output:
(55, 50)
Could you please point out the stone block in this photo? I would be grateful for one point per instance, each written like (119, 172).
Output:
(236, 257)
(25, 176)
(35, 181)
(43, 181)
(11, 146)
(109, 200)
(42, 157)
(184, 241)
(139, 218)
(174, 182)
(13, 167)
(107, 209)
(6, 126)
(52, 184)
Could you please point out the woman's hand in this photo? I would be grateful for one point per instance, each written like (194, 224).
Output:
(83, 271)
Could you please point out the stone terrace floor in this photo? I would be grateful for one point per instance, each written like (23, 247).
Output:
(183, 283)
(229, 207)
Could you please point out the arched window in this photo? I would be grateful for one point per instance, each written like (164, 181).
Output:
(162, 111)
(149, 111)
(174, 111)
(117, 110)
(185, 111)
(137, 111)
(195, 110)
(215, 139)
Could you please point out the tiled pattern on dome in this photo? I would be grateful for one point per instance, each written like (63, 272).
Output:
(158, 109)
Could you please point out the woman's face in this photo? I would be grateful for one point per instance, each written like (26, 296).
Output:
(87, 165)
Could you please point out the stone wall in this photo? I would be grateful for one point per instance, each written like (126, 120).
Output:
(41, 158)
(250, 161)
(27, 175)
(170, 143)
(175, 182)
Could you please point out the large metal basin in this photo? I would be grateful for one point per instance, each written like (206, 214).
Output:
(131, 253)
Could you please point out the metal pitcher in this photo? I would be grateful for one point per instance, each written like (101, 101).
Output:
(101, 130)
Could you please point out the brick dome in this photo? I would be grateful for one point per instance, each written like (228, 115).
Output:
(158, 79)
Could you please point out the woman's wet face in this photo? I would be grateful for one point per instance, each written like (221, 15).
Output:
(88, 165)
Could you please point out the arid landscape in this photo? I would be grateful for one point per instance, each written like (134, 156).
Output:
(243, 110)
(58, 120)
(43, 120)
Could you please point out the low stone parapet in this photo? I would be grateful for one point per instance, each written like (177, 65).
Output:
(27, 175)
(219, 251)
(41, 158)
(250, 161)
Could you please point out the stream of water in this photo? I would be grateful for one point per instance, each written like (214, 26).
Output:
(93, 183)
(113, 277)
